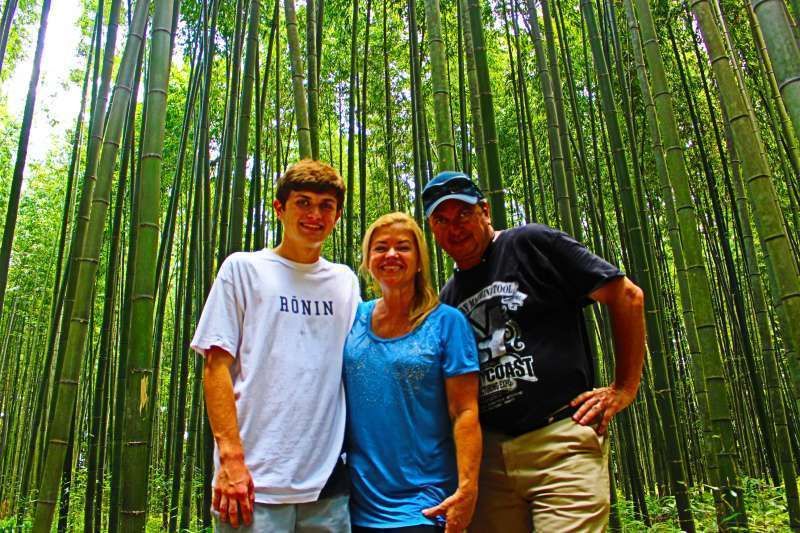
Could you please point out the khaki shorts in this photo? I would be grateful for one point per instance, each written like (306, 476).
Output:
(553, 479)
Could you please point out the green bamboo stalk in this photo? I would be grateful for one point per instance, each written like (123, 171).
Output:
(221, 217)
(496, 193)
(540, 215)
(445, 145)
(87, 266)
(312, 39)
(137, 418)
(563, 128)
(643, 275)
(351, 126)
(124, 334)
(557, 168)
(12, 209)
(362, 127)
(299, 91)
(784, 53)
(762, 194)
(387, 104)
(182, 348)
(790, 140)
(522, 141)
(474, 96)
(243, 132)
(9, 9)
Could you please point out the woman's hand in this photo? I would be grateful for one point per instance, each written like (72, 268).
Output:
(457, 509)
(462, 404)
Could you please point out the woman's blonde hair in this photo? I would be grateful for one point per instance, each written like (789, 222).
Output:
(425, 298)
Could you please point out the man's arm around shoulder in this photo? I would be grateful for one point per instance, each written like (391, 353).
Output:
(234, 490)
(625, 302)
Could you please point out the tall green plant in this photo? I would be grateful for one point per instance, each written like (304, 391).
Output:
(445, 145)
(496, 193)
(298, 89)
(137, 418)
(22, 155)
(642, 270)
(784, 52)
(67, 382)
(243, 132)
(761, 191)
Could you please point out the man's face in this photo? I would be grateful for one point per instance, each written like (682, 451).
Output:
(308, 217)
(463, 230)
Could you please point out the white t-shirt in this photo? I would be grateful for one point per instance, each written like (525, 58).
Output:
(285, 323)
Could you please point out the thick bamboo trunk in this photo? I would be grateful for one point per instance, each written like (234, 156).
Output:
(87, 266)
(761, 191)
(445, 146)
(554, 137)
(243, 132)
(642, 272)
(496, 193)
(298, 77)
(137, 418)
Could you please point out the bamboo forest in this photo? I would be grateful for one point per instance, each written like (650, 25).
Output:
(663, 134)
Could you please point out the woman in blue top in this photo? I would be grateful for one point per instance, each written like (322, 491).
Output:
(410, 367)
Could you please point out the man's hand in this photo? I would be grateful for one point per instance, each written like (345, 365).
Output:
(457, 510)
(598, 406)
(234, 492)
(625, 302)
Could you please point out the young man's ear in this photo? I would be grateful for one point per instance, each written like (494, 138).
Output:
(278, 207)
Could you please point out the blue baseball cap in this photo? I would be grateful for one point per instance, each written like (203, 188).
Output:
(449, 185)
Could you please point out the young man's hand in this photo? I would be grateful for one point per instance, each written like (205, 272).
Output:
(234, 492)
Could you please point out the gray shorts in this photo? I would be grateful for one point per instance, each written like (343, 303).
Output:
(328, 515)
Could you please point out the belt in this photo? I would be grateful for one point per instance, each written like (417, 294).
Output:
(565, 411)
(561, 413)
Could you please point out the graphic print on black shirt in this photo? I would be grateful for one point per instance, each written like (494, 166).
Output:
(500, 343)
(524, 301)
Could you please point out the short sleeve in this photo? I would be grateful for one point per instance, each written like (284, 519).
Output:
(460, 351)
(582, 271)
(222, 317)
(355, 297)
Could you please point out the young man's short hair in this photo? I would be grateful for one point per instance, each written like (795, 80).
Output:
(310, 175)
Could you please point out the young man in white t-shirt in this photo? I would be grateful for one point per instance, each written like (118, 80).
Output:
(272, 332)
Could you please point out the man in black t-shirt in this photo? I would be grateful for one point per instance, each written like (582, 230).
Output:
(523, 291)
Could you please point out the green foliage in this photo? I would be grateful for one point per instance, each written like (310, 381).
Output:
(766, 510)
(31, 275)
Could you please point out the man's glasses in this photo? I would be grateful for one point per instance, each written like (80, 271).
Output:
(454, 186)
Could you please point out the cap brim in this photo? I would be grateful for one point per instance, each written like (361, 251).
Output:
(466, 198)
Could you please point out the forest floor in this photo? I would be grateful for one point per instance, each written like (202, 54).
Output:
(766, 511)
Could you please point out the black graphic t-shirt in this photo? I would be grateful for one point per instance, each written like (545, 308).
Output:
(525, 301)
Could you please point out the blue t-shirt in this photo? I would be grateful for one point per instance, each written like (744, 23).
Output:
(399, 435)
